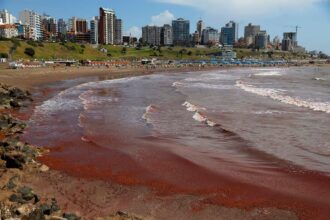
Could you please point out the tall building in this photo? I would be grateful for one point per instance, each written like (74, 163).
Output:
(261, 40)
(94, 23)
(6, 17)
(151, 35)
(181, 32)
(23, 30)
(229, 33)
(77, 25)
(210, 36)
(289, 42)
(250, 32)
(167, 35)
(106, 26)
(276, 43)
(61, 26)
(199, 28)
(118, 39)
(32, 19)
(48, 27)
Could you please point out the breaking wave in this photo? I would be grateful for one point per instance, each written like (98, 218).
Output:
(270, 73)
(146, 116)
(279, 96)
(198, 116)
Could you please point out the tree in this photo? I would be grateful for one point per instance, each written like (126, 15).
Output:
(124, 50)
(29, 51)
(4, 55)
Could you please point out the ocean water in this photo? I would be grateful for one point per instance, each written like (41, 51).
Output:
(195, 132)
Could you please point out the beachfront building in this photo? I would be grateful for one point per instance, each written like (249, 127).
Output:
(106, 26)
(181, 32)
(118, 35)
(23, 31)
(199, 31)
(289, 42)
(77, 25)
(151, 35)
(8, 31)
(94, 33)
(167, 35)
(33, 20)
(211, 36)
(261, 40)
(48, 27)
(78, 30)
(250, 32)
(6, 17)
(229, 33)
(62, 29)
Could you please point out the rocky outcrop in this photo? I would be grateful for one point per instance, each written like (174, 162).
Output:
(18, 158)
(12, 97)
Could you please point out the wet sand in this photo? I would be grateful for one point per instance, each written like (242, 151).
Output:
(195, 193)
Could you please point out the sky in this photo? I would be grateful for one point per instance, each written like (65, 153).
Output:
(274, 16)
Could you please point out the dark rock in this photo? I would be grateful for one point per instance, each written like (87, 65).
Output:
(54, 206)
(71, 216)
(37, 215)
(14, 160)
(11, 183)
(26, 193)
(16, 198)
(14, 104)
(36, 199)
(46, 209)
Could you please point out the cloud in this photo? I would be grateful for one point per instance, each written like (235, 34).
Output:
(165, 17)
(245, 8)
(134, 32)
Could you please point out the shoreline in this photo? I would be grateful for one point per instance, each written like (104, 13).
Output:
(53, 182)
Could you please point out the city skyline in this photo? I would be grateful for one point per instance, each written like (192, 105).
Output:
(159, 12)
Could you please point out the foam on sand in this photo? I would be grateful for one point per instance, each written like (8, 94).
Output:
(279, 96)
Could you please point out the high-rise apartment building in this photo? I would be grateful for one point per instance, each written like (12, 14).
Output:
(118, 38)
(181, 32)
(32, 19)
(6, 17)
(106, 26)
(151, 35)
(229, 33)
(261, 40)
(48, 27)
(289, 42)
(199, 28)
(250, 32)
(94, 27)
(77, 25)
(210, 36)
(167, 35)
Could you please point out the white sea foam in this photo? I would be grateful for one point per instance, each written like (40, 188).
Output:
(146, 116)
(191, 107)
(270, 73)
(198, 116)
(279, 96)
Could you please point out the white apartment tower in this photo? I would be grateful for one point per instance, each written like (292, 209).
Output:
(32, 19)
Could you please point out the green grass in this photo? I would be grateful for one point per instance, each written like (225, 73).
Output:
(87, 52)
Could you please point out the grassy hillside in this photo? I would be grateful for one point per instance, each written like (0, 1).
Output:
(47, 51)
